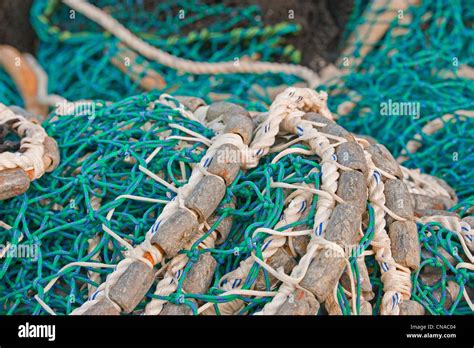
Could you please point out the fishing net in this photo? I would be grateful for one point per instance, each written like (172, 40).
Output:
(106, 154)
(61, 213)
(187, 29)
(103, 156)
(420, 59)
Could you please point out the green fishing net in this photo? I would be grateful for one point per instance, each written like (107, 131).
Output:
(102, 151)
(420, 65)
(205, 33)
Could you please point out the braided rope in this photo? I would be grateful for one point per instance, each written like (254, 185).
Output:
(30, 159)
(425, 184)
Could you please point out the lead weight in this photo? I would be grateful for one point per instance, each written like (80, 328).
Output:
(225, 308)
(365, 285)
(226, 163)
(365, 308)
(103, 306)
(51, 154)
(13, 182)
(384, 160)
(192, 103)
(368, 138)
(453, 289)
(431, 277)
(351, 155)
(433, 212)
(398, 200)
(206, 196)
(447, 257)
(177, 309)
(300, 243)
(323, 274)
(199, 278)
(132, 285)
(9, 146)
(410, 307)
(300, 302)
(223, 229)
(404, 243)
(343, 226)
(175, 232)
(352, 188)
(3, 132)
(281, 259)
(331, 306)
(220, 108)
(240, 124)
(422, 202)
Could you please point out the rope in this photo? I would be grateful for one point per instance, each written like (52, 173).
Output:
(125, 162)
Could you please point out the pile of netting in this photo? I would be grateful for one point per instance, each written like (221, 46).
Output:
(107, 155)
(423, 58)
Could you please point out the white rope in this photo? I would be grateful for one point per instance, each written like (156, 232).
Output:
(419, 183)
(118, 30)
(30, 156)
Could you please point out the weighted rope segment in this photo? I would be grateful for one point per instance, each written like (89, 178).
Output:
(185, 65)
(395, 277)
(325, 209)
